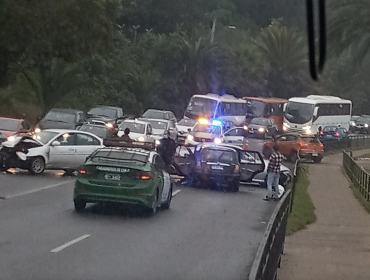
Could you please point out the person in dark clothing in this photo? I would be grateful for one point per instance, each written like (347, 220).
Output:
(167, 148)
(126, 136)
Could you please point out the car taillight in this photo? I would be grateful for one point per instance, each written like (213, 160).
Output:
(336, 134)
(142, 176)
(321, 145)
(237, 169)
(303, 145)
(83, 170)
(321, 133)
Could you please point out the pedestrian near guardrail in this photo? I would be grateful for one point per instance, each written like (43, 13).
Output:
(273, 174)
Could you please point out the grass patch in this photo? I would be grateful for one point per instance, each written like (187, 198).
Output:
(303, 209)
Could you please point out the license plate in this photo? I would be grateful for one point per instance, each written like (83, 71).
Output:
(217, 167)
(315, 155)
(114, 177)
(251, 131)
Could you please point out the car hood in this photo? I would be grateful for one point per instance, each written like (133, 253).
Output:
(100, 118)
(158, 132)
(132, 135)
(183, 128)
(50, 124)
(256, 126)
(204, 135)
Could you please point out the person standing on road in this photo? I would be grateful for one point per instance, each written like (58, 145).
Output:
(167, 148)
(126, 136)
(273, 174)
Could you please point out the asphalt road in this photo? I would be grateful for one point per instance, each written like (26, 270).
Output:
(204, 235)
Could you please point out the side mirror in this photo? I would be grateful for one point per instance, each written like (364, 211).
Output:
(55, 143)
(284, 107)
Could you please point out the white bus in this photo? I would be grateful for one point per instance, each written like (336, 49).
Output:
(307, 114)
(225, 107)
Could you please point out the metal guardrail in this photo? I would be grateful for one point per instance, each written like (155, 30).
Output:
(359, 177)
(268, 256)
(353, 141)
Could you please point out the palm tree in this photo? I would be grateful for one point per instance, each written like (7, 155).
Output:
(349, 27)
(52, 81)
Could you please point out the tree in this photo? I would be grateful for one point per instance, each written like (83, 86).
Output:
(349, 27)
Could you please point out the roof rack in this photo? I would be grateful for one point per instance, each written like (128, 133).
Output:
(119, 142)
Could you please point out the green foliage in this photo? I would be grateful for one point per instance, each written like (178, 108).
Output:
(303, 209)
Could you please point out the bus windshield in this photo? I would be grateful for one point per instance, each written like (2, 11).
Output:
(299, 113)
(255, 108)
(200, 107)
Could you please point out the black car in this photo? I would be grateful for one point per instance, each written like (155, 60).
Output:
(99, 130)
(105, 114)
(62, 119)
(362, 125)
(261, 127)
(222, 166)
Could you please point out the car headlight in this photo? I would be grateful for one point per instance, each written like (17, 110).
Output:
(190, 137)
(261, 129)
(10, 138)
(307, 129)
(352, 124)
(157, 142)
(141, 139)
(109, 125)
(217, 140)
(245, 127)
(286, 125)
(366, 125)
(37, 130)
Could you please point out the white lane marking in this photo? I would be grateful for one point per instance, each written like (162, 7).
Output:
(37, 190)
(74, 241)
(175, 193)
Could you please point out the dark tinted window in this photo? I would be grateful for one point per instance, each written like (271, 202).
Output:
(86, 140)
(120, 155)
(334, 109)
(259, 121)
(60, 116)
(211, 155)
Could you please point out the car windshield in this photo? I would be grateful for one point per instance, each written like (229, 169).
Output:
(103, 112)
(255, 108)
(9, 124)
(363, 120)
(299, 113)
(213, 129)
(200, 107)
(134, 127)
(60, 116)
(100, 131)
(311, 139)
(187, 122)
(259, 121)
(153, 114)
(113, 155)
(45, 136)
(212, 155)
(158, 124)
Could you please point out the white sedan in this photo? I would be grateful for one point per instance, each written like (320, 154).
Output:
(139, 130)
(61, 149)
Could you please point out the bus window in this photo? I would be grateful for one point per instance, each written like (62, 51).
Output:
(231, 109)
(255, 108)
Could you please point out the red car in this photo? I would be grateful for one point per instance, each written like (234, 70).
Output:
(10, 126)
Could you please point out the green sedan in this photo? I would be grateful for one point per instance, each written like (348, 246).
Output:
(128, 175)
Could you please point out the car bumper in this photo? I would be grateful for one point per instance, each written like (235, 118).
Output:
(94, 193)
(216, 179)
(311, 155)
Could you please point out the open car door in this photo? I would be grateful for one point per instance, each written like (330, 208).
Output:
(251, 163)
(184, 160)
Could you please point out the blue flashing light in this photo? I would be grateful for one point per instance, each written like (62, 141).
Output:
(217, 122)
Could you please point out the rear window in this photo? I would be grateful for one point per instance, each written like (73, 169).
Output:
(211, 155)
(259, 121)
(121, 156)
(330, 129)
(311, 139)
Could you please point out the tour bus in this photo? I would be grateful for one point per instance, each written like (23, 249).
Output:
(266, 107)
(308, 114)
(212, 106)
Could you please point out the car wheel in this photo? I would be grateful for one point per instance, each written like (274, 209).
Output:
(266, 152)
(36, 165)
(317, 159)
(153, 209)
(69, 172)
(293, 157)
(80, 205)
(167, 204)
